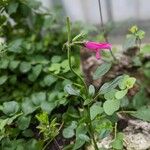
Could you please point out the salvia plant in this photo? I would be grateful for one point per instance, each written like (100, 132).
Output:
(97, 107)
(44, 96)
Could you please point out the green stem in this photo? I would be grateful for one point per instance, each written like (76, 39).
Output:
(113, 56)
(69, 30)
(91, 130)
(69, 55)
(115, 131)
(86, 89)
(46, 145)
(127, 112)
(72, 70)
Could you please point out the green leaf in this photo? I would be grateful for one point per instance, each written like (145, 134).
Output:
(55, 67)
(47, 106)
(110, 106)
(3, 79)
(4, 63)
(84, 137)
(15, 46)
(55, 59)
(102, 70)
(70, 90)
(28, 107)
(79, 37)
(10, 108)
(145, 49)
(81, 129)
(130, 42)
(33, 144)
(68, 133)
(133, 29)
(65, 66)
(121, 94)
(43, 117)
(95, 110)
(38, 98)
(91, 90)
(106, 87)
(3, 123)
(140, 34)
(142, 113)
(28, 133)
(49, 80)
(23, 122)
(140, 98)
(35, 72)
(130, 82)
(32, 4)
(7, 121)
(118, 142)
(12, 7)
(127, 82)
(25, 67)
(110, 95)
(13, 64)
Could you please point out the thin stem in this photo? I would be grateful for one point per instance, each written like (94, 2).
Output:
(101, 16)
(69, 55)
(103, 28)
(46, 145)
(72, 70)
(113, 55)
(86, 90)
(63, 78)
(69, 30)
(92, 130)
(57, 144)
(127, 112)
(115, 131)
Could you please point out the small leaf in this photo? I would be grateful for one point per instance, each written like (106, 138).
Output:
(91, 90)
(130, 42)
(110, 95)
(49, 80)
(4, 63)
(28, 107)
(47, 106)
(110, 106)
(12, 7)
(106, 87)
(25, 67)
(15, 46)
(70, 90)
(121, 94)
(69, 131)
(84, 137)
(13, 64)
(35, 72)
(79, 37)
(56, 59)
(10, 108)
(142, 113)
(95, 110)
(38, 98)
(133, 29)
(130, 82)
(102, 70)
(23, 122)
(3, 79)
(118, 142)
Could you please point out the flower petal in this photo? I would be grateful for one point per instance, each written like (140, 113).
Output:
(98, 55)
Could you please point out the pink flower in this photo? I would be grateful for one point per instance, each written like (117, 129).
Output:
(97, 47)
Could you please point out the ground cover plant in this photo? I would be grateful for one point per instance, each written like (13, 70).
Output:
(46, 102)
